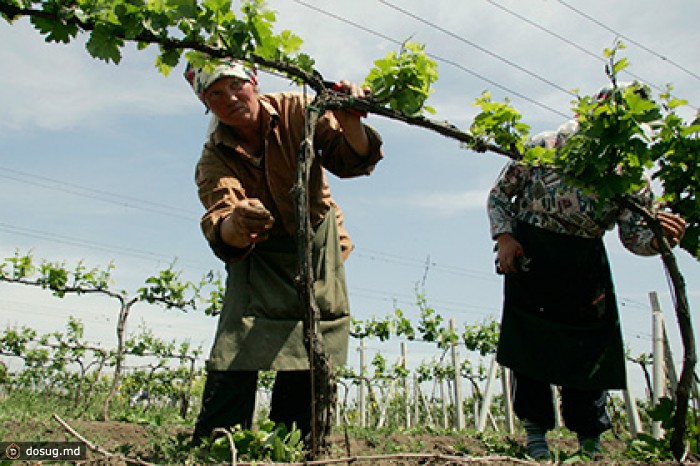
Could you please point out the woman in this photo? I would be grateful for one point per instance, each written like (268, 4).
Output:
(560, 323)
(244, 177)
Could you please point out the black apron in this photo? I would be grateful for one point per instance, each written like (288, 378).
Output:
(560, 319)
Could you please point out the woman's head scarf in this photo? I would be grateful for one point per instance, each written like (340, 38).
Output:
(607, 91)
(200, 80)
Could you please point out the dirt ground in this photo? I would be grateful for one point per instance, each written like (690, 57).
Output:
(113, 441)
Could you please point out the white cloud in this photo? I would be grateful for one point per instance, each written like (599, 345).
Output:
(451, 203)
(56, 86)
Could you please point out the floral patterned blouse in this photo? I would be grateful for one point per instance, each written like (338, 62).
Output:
(538, 196)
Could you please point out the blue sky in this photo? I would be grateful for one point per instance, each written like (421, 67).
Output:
(97, 160)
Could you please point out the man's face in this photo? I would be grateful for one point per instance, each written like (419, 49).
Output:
(234, 101)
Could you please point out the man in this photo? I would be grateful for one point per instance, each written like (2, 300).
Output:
(244, 178)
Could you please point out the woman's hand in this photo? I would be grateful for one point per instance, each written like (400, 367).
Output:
(673, 226)
(249, 223)
(509, 249)
(349, 119)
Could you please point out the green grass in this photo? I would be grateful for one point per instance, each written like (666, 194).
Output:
(27, 416)
(159, 435)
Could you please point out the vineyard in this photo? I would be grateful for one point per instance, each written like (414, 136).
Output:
(136, 403)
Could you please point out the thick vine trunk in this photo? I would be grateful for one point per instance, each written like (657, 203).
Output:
(121, 338)
(323, 392)
(687, 377)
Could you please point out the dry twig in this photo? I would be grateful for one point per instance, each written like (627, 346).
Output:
(232, 445)
(96, 448)
(423, 458)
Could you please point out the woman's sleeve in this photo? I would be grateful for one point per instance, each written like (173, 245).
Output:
(219, 192)
(634, 233)
(337, 156)
(501, 196)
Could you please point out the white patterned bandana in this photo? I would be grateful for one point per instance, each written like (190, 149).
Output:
(607, 91)
(200, 80)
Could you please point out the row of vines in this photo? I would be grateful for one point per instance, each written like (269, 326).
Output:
(146, 370)
(65, 361)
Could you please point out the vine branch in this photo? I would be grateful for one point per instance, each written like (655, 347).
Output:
(687, 378)
(312, 79)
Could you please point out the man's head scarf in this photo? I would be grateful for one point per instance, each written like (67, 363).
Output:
(201, 80)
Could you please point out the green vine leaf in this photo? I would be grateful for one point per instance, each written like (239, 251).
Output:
(403, 81)
(499, 123)
(167, 60)
(104, 45)
(55, 31)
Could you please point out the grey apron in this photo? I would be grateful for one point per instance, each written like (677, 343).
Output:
(261, 323)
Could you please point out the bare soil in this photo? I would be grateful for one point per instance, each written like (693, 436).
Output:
(117, 443)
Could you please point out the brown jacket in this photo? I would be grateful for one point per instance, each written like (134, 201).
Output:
(226, 174)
